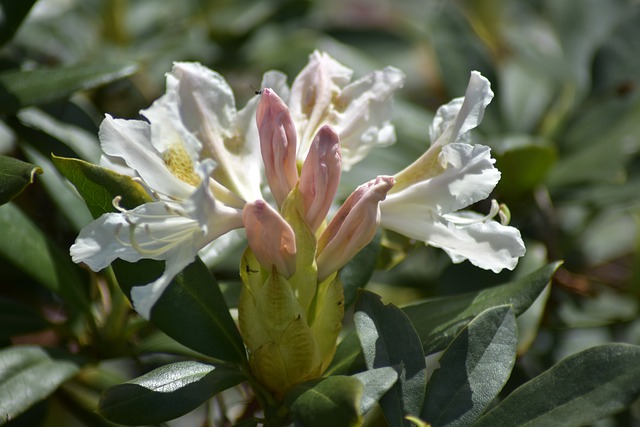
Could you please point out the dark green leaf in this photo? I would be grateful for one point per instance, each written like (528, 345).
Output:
(28, 248)
(19, 89)
(166, 393)
(473, 369)
(13, 13)
(99, 186)
(194, 297)
(438, 320)
(15, 175)
(18, 319)
(358, 271)
(332, 401)
(376, 383)
(579, 390)
(28, 375)
(388, 339)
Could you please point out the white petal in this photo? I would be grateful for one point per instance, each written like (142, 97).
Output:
(469, 176)
(312, 94)
(455, 119)
(130, 140)
(362, 113)
(207, 110)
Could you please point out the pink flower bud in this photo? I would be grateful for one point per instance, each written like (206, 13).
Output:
(271, 239)
(278, 144)
(320, 176)
(353, 226)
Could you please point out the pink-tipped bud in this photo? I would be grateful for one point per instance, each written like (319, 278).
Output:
(320, 176)
(271, 239)
(277, 144)
(353, 226)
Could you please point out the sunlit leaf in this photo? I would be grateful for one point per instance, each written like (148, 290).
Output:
(28, 375)
(579, 390)
(473, 369)
(15, 175)
(166, 393)
(98, 186)
(376, 383)
(389, 340)
(332, 401)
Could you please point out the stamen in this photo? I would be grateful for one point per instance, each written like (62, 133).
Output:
(461, 221)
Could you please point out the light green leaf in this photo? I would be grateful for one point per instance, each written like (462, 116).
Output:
(166, 393)
(15, 175)
(21, 89)
(28, 375)
(579, 390)
(376, 383)
(332, 401)
(28, 248)
(98, 186)
(389, 340)
(473, 369)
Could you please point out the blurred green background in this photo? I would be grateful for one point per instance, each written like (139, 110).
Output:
(564, 126)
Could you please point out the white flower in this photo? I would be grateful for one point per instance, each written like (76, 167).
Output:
(429, 194)
(199, 159)
(359, 111)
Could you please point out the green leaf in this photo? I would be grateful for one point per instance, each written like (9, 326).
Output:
(376, 383)
(13, 13)
(439, 320)
(18, 319)
(357, 273)
(27, 376)
(15, 175)
(194, 296)
(332, 401)
(28, 248)
(388, 339)
(579, 390)
(98, 186)
(19, 89)
(166, 393)
(473, 369)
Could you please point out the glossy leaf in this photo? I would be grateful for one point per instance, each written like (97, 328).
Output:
(577, 391)
(376, 383)
(438, 320)
(28, 375)
(98, 186)
(194, 296)
(13, 13)
(28, 248)
(15, 175)
(389, 340)
(19, 89)
(332, 401)
(166, 393)
(473, 369)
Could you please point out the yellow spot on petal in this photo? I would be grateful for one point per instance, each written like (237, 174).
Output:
(180, 164)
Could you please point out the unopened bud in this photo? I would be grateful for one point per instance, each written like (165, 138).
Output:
(277, 144)
(320, 176)
(353, 226)
(271, 239)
